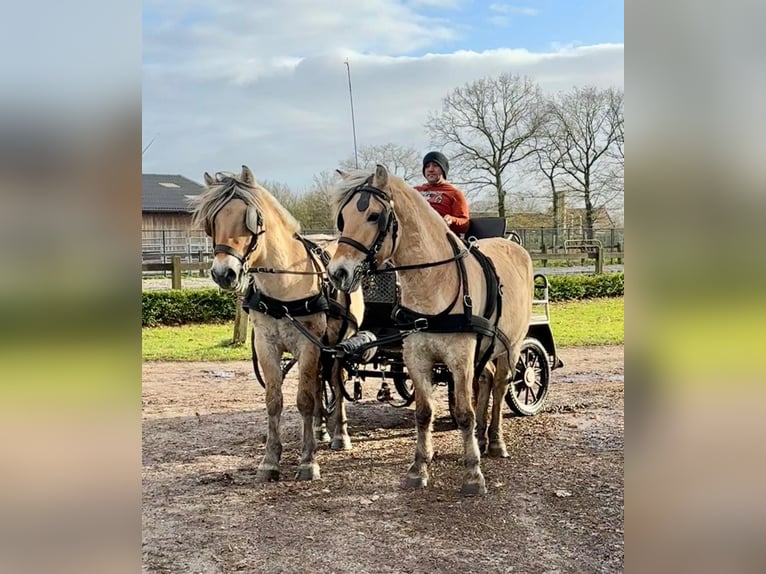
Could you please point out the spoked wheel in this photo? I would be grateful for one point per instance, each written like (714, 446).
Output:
(528, 390)
(404, 386)
(451, 400)
(287, 364)
(329, 399)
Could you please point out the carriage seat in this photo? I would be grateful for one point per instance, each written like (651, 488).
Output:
(484, 227)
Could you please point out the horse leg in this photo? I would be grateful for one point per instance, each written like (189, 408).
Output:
(320, 414)
(268, 469)
(308, 469)
(483, 384)
(473, 480)
(340, 438)
(499, 386)
(417, 474)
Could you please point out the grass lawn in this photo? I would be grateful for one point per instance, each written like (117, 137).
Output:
(593, 322)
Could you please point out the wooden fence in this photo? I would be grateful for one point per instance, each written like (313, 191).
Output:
(177, 267)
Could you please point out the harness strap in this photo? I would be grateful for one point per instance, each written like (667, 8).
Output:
(458, 256)
(258, 301)
(467, 322)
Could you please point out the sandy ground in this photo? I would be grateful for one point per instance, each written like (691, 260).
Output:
(556, 505)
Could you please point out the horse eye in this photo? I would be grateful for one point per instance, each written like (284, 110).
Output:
(373, 217)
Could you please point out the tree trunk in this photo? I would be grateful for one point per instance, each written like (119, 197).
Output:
(500, 196)
(588, 206)
(240, 325)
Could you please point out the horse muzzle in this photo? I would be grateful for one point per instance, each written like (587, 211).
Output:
(225, 276)
(344, 276)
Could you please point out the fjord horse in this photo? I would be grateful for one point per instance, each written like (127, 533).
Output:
(458, 314)
(291, 305)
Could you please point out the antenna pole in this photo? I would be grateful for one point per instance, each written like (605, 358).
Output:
(353, 121)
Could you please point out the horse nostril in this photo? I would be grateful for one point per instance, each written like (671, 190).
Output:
(231, 275)
(339, 275)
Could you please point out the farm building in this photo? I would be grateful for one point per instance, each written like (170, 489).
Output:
(166, 226)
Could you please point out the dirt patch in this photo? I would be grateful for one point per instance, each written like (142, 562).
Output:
(556, 505)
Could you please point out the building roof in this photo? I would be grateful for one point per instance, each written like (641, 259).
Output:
(167, 193)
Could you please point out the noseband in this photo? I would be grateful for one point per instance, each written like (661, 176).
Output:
(387, 222)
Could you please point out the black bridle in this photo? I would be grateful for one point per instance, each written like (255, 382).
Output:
(255, 234)
(387, 223)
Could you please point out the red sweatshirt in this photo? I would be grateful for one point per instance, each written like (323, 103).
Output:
(446, 199)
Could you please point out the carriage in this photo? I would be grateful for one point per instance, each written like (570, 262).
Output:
(375, 352)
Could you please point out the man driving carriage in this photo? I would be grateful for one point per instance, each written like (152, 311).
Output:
(445, 198)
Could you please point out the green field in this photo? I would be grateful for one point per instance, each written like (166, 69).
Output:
(591, 322)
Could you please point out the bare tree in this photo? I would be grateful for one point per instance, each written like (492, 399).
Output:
(588, 135)
(547, 165)
(316, 205)
(486, 127)
(402, 161)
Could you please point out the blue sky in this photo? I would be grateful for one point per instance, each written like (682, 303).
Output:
(536, 25)
(227, 82)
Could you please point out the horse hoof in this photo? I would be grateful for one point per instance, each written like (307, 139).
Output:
(497, 451)
(414, 482)
(308, 472)
(267, 475)
(474, 488)
(322, 436)
(343, 443)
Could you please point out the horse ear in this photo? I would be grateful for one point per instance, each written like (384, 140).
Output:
(247, 176)
(341, 173)
(209, 179)
(381, 177)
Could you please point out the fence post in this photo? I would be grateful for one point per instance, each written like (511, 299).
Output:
(240, 325)
(175, 281)
(599, 260)
(201, 260)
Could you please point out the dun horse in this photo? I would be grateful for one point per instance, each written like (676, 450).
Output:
(465, 307)
(291, 306)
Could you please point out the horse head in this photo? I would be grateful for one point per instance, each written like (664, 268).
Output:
(232, 217)
(367, 224)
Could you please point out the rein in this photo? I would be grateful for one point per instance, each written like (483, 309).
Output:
(322, 302)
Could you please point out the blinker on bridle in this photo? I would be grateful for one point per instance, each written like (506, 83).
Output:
(222, 248)
(386, 222)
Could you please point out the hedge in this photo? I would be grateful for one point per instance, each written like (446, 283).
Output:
(215, 306)
(575, 287)
(186, 306)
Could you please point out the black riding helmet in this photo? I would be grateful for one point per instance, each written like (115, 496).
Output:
(438, 158)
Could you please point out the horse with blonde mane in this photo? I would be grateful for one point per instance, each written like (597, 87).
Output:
(291, 305)
(460, 305)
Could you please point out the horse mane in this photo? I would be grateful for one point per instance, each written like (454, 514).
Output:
(346, 186)
(228, 186)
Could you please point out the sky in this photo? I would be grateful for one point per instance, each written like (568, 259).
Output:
(232, 82)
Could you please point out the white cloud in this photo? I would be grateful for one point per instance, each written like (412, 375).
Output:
(510, 9)
(236, 82)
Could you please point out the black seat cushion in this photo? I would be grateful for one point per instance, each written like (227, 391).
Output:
(483, 227)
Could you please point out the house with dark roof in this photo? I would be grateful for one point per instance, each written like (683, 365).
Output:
(164, 202)
(166, 226)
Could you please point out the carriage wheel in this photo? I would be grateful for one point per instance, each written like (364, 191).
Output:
(451, 400)
(404, 386)
(287, 364)
(529, 388)
(328, 397)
